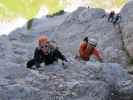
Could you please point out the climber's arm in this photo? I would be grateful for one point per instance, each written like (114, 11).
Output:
(59, 55)
(98, 55)
(37, 57)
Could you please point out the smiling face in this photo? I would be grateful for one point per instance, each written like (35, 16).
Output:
(44, 48)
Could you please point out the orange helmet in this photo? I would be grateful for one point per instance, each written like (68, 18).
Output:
(42, 40)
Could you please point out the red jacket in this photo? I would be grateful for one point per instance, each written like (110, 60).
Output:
(85, 52)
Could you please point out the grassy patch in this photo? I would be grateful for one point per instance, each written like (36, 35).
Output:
(130, 61)
(61, 12)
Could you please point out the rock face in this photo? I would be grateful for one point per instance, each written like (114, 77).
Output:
(92, 23)
(127, 27)
(80, 80)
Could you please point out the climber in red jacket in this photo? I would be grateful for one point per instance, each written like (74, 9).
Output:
(88, 49)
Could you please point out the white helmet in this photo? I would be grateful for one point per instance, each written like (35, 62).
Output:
(93, 42)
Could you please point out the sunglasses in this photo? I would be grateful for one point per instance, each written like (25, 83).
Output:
(44, 46)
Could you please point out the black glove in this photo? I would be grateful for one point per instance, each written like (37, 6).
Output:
(65, 64)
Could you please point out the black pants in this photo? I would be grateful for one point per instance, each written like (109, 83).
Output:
(110, 19)
(32, 62)
(116, 21)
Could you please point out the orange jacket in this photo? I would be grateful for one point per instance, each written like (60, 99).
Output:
(85, 53)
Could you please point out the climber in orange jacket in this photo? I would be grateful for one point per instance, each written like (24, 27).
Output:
(88, 49)
(46, 53)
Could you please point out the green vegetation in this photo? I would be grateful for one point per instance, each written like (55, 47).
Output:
(130, 61)
(56, 13)
(11, 9)
(107, 4)
(29, 24)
